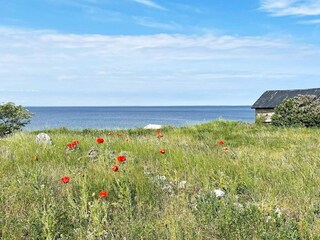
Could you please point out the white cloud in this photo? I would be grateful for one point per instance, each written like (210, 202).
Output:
(51, 66)
(150, 3)
(291, 7)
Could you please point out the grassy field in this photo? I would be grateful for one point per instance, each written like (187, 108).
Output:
(270, 177)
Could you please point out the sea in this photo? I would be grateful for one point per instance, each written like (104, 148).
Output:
(113, 118)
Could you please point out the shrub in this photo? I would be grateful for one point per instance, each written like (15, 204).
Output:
(12, 118)
(300, 111)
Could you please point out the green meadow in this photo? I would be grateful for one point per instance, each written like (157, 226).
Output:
(270, 177)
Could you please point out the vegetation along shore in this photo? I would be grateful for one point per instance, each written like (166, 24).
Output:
(220, 180)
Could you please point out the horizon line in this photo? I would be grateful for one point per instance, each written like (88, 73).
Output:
(144, 106)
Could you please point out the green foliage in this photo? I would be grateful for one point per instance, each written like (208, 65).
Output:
(300, 111)
(12, 118)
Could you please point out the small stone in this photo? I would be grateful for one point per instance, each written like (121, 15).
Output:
(43, 138)
(218, 193)
(93, 153)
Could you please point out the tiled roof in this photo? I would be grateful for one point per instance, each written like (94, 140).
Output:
(270, 99)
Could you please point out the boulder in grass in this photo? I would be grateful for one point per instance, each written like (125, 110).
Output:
(43, 138)
(219, 193)
(153, 126)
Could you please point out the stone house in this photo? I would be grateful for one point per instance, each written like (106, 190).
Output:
(265, 105)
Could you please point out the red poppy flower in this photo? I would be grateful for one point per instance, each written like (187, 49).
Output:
(221, 142)
(121, 158)
(162, 151)
(119, 134)
(115, 168)
(65, 179)
(158, 131)
(100, 140)
(103, 193)
(70, 146)
(110, 133)
(75, 142)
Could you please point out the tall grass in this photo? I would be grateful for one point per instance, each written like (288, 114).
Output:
(270, 177)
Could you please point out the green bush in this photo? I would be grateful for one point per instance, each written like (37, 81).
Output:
(12, 118)
(300, 111)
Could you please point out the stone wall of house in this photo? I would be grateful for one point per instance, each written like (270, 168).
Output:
(265, 114)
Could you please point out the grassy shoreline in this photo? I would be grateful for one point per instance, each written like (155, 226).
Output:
(269, 175)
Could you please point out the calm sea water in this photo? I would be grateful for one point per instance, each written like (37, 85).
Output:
(132, 117)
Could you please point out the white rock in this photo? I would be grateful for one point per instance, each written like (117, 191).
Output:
(43, 138)
(219, 193)
(153, 126)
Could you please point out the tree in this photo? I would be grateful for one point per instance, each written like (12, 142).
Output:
(12, 118)
(300, 111)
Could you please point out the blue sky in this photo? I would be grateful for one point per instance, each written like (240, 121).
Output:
(155, 52)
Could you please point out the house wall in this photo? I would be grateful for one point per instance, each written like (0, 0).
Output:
(265, 114)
